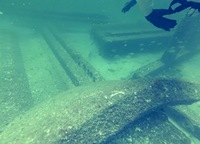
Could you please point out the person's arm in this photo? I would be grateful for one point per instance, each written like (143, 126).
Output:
(128, 5)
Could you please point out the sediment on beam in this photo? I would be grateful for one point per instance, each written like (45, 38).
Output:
(86, 66)
(187, 117)
(72, 69)
(15, 94)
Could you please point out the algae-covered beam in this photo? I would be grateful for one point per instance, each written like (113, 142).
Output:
(187, 117)
(15, 95)
(96, 112)
(154, 128)
(77, 75)
(76, 56)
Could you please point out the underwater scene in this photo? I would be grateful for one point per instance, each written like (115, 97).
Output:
(99, 72)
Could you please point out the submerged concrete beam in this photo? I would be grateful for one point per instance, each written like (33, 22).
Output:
(94, 113)
(15, 94)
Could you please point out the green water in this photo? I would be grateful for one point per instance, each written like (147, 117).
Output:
(49, 47)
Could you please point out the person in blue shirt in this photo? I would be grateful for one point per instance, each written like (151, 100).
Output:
(156, 16)
(183, 4)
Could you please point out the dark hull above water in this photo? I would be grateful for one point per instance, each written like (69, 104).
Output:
(97, 113)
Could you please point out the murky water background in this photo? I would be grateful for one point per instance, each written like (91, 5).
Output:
(48, 47)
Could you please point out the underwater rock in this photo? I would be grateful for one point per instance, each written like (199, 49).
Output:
(96, 112)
